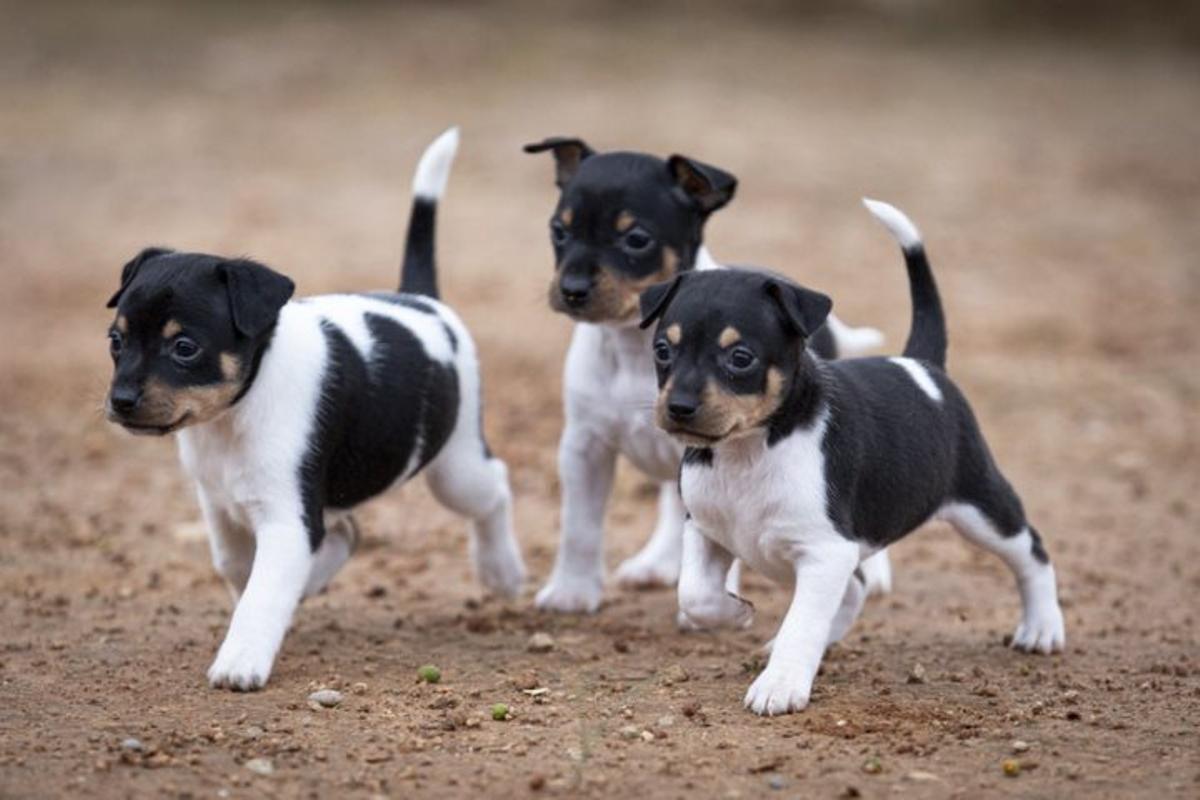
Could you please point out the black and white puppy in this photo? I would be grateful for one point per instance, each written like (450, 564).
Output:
(802, 467)
(625, 221)
(290, 413)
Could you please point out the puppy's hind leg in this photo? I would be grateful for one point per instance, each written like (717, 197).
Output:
(877, 574)
(703, 600)
(1020, 547)
(466, 478)
(657, 563)
(340, 542)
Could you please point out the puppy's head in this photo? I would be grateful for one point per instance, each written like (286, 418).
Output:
(727, 349)
(187, 335)
(624, 222)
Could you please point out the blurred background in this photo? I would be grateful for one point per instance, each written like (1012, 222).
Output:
(1048, 151)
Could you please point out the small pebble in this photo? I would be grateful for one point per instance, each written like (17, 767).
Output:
(776, 782)
(132, 745)
(872, 766)
(630, 732)
(1019, 746)
(429, 673)
(917, 673)
(1011, 767)
(540, 643)
(326, 698)
(674, 674)
(260, 766)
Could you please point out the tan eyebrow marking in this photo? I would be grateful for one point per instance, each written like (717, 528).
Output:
(624, 221)
(566, 216)
(231, 365)
(122, 324)
(729, 336)
(674, 333)
(172, 328)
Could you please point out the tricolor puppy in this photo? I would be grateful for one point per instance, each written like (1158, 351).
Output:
(625, 221)
(802, 467)
(290, 413)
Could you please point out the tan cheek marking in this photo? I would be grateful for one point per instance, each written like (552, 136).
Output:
(674, 333)
(729, 336)
(231, 366)
(567, 216)
(624, 221)
(122, 324)
(172, 328)
(670, 260)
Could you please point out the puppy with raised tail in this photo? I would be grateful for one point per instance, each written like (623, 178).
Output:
(801, 467)
(291, 412)
(625, 221)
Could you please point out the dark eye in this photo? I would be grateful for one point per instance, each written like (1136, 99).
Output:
(558, 233)
(662, 352)
(741, 359)
(115, 343)
(184, 350)
(637, 241)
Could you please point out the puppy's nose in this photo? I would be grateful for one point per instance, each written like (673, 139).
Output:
(575, 290)
(681, 410)
(125, 399)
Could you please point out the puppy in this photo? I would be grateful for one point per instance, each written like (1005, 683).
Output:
(802, 467)
(623, 222)
(289, 414)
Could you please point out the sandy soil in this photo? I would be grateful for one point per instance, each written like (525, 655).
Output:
(1059, 190)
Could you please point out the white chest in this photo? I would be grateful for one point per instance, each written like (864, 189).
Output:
(765, 505)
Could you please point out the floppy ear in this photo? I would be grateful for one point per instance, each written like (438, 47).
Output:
(708, 187)
(130, 270)
(569, 153)
(256, 293)
(804, 310)
(654, 301)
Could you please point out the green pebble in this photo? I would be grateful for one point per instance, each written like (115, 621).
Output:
(500, 712)
(429, 673)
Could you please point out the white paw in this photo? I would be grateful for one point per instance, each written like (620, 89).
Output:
(502, 573)
(778, 690)
(718, 611)
(877, 574)
(649, 569)
(571, 594)
(241, 666)
(1041, 631)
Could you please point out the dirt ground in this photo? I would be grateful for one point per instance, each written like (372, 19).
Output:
(1059, 189)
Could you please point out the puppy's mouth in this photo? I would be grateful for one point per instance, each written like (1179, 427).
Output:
(143, 429)
(694, 438)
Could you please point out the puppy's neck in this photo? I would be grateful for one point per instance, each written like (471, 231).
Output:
(807, 394)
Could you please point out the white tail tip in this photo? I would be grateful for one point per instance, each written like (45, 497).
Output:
(433, 170)
(896, 222)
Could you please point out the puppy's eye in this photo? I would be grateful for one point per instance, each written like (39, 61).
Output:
(637, 241)
(662, 352)
(741, 359)
(184, 350)
(559, 233)
(116, 343)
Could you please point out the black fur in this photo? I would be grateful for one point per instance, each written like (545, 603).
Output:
(927, 338)
(418, 275)
(373, 417)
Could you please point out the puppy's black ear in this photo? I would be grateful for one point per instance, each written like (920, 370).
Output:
(804, 311)
(654, 301)
(569, 153)
(130, 270)
(708, 187)
(256, 293)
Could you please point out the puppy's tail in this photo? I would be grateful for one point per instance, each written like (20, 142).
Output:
(927, 334)
(419, 273)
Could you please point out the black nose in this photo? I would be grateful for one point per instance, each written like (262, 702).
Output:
(575, 290)
(125, 399)
(681, 410)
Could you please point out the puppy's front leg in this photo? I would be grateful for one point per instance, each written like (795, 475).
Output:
(823, 572)
(282, 563)
(704, 601)
(586, 462)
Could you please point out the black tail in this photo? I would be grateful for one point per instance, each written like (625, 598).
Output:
(418, 275)
(927, 334)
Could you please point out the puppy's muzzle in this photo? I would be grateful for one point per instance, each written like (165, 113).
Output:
(575, 290)
(124, 400)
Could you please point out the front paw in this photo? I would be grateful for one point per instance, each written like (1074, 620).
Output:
(1041, 631)
(241, 666)
(502, 573)
(571, 594)
(717, 611)
(778, 690)
(647, 570)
